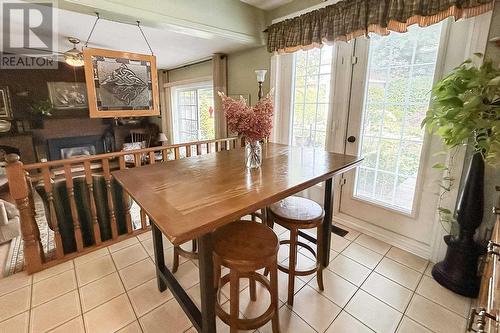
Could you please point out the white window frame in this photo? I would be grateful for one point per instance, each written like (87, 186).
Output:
(329, 104)
(174, 89)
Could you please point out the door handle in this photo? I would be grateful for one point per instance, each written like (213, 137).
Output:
(351, 139)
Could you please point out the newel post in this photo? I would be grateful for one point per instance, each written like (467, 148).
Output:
(19, 190)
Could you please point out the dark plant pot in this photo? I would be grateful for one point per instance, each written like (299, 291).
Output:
(458, 270)
(37, 122)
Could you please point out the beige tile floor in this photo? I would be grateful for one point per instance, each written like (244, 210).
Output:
(370, 286)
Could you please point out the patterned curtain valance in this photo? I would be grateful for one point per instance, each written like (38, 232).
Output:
(349, 19)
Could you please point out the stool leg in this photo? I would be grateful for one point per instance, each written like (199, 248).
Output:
(253, 293)
(269, 218)
(269, 221)
(319, 259)
(292, 262)
(234, 300)
(175, 264)
(217, 273)
(274, 297)
(194, 244)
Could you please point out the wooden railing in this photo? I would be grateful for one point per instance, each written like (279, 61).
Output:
(22, 179)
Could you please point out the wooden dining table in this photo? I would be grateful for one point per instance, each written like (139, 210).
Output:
(188, 198)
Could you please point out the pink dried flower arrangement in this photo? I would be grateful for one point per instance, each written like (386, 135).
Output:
(253, 123)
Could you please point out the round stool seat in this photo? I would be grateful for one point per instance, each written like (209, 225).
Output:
(245, 247)
(244, 243)
(297, 210)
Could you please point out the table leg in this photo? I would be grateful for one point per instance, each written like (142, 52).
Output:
(207, 291)
(159, 258)
(327, 222)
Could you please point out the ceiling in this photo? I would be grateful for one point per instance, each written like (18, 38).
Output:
(266, 4)
(173, 45)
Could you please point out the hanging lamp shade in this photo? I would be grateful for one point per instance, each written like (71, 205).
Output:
(74, 57)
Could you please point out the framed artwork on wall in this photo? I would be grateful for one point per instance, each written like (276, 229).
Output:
(68, 95)
(121, 84)
(5, 104)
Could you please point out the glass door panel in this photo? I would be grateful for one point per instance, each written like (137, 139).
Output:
(399, 76)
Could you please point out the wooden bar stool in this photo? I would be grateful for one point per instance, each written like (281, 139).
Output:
(245, 247)
(179, 251)
(296, 213)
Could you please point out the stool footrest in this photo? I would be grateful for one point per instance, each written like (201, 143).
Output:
(309, 271)
(250, 323)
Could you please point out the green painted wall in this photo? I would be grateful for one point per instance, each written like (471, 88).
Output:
(190, 72)
(241, 77)
(493, 51)
(290, 8)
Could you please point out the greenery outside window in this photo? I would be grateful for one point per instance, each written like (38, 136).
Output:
(193, 112)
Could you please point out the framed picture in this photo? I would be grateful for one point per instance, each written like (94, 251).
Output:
(121, 84)
(68, 95)
(5, 104)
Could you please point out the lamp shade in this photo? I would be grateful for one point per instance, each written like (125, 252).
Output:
(261, 74)
(74, 57)
(162, 137)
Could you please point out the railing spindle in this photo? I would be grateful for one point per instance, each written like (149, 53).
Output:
(47, 183)
(93, 210)
(74, 211)
(198, 149)
(143, 220)
(177, 153)
(152, 157)
(112, 216)
(125, 198)
(164, 155)
(137, 159)
(188, 151)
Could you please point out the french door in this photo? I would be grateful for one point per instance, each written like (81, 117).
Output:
(390, 93)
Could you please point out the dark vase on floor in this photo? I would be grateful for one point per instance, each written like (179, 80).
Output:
(458, 270)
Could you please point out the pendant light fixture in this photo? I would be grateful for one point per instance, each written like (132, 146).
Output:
(74, 57)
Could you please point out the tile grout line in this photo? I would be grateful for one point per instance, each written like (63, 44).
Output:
(341, 308)
(79, 297)
(123, 285)
(30, 302)
(358, 288)
(408, 305)
(66, 293)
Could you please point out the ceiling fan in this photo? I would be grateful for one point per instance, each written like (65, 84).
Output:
(73, 56)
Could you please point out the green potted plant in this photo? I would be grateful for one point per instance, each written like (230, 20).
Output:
(465, 109)
(39, 110)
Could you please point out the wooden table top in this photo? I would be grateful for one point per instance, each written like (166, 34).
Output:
(189, 197)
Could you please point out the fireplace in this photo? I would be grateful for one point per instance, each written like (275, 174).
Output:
(75, 146)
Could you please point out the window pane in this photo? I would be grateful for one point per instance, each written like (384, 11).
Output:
(193, 113)
(399, 78)
(206, 114)
(311, 96)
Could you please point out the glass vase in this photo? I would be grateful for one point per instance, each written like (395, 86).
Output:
(253, 154)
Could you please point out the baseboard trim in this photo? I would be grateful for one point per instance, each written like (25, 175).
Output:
(390, 237)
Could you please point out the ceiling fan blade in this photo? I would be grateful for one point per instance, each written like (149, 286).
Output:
(42, 50)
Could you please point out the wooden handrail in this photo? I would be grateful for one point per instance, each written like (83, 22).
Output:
(78, 160)
(22, 192)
